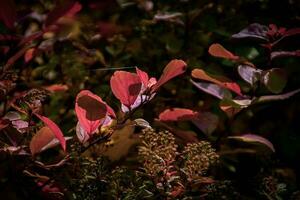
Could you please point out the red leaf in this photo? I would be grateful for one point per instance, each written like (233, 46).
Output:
(43, 137)
(221, 81)
(126, 87)
(55, 129)
(173, 69)
(143, 76)
(177, 114)
(57, 88)
(206, 122)
(15, 57)
(68, 8)
(91, 111)
(8, 13)
(218, 50)
(3, 123)
(29, 54)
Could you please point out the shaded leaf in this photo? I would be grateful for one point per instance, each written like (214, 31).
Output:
(126, 87)
(280, 54)
(256, 139)
(67, 8)
(55, 130)
(206, 122)
(212, 89)
(275, 80)
(8, 13)
(268, 98)
(173, 69)
(249, 74)
(81, 134)
(221, 81)
(219, 51)
(253, 31)
(142, 123)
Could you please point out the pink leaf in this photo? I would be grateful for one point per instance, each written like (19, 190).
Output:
(143, 76)
(218, 50)
(177, 114)
(173, 69)
(125, 86)
(8, 13)
(68, 8)
(91, 110)
(55, 129)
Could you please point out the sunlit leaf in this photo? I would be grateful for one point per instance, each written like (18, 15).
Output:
(143, 76)
(55, 130)
(219, 51)
(126, 87)
(91, 111)
(43, 137)
(221, 81)
(177, 114)
(173, 69)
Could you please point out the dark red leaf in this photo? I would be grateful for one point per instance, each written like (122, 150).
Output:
(14, 58)
(126, 87)
(55, 129)
(67, 8)
(8, 13)
(218, 50)
(173, 69)
(3, 123)
(221, 81)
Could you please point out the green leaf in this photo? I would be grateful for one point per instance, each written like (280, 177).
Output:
(275, 80)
